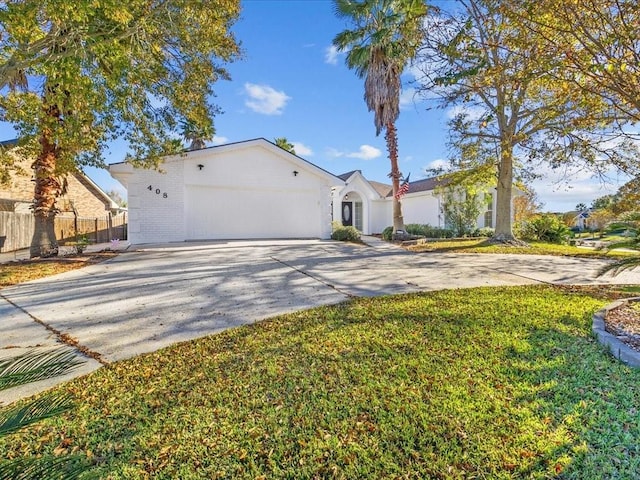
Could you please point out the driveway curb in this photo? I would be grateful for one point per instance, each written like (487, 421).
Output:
(618, 348)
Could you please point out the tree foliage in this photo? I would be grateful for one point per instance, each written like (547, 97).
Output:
(527, 204)
(607, 202)
(26, 368)
(630, 195)
(580, 207)
(117, 197)
(599, 41)
(461, 208)
(130, 69)
(514, 111)
(283, 143)
(82, 73)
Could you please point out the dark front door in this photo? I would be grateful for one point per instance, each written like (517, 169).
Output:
(347, 214)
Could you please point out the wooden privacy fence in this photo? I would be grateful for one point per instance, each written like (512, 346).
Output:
(16, 229)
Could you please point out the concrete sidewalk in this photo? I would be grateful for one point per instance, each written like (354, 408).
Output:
(151, 296)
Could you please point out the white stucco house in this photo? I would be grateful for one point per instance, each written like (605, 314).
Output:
(255, 189)
(245, 190)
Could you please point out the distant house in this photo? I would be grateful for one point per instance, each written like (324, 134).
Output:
(255, 189)
(581, 219)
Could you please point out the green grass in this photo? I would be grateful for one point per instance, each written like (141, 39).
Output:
(479, 383)
(13, 273)
(534, 248)
(630, 289)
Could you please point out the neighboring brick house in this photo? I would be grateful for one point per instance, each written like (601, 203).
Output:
(84, 209)
(82, 195)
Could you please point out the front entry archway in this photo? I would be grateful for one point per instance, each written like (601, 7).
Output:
(352, 211)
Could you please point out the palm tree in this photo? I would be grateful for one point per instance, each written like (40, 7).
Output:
(283, 143)
(385, 37)
(47, 188)
(626, 263)
(30, 367)
(194, 135)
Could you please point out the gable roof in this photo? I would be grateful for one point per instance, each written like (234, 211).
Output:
(383, 189)
(96, 190)
(346, 176)
(124, 167)
(428, 184)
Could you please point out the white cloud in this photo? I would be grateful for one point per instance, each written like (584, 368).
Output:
(301, 149)
(437, 164)
(331, 55)
(562, 189)
(365, 152)
(265, 99)
(408, 97)
(218, 140)
(333, 153)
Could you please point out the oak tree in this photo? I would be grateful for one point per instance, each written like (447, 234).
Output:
(513, 111)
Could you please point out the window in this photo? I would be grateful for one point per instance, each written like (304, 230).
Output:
(357, 215)
(488, 215)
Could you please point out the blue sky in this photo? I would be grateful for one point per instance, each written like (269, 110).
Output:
(292, 84)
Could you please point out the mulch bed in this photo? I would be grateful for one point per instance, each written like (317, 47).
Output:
(624, 323)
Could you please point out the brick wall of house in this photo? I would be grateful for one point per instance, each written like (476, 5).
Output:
(80, 193)
(155, 202)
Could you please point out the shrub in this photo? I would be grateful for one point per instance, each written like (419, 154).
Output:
(483, 232)
(437, 232)
(546, 228)
(415, 229)
(421, 230)
(345, 234)
(426, 230)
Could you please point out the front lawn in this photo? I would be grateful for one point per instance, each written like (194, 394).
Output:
(534, 248)
(12, 273)
(478, 383)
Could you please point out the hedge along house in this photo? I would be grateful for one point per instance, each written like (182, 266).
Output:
(245, 190)
(367, 205)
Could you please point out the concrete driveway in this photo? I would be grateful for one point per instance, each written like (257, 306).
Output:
(156, 295)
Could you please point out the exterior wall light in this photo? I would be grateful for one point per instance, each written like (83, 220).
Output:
(200, 166)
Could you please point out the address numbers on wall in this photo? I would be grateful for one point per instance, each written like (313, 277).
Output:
(157, 191)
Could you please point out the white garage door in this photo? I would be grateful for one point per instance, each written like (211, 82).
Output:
(227, 213)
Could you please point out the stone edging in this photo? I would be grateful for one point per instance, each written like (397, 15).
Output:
(618, 349)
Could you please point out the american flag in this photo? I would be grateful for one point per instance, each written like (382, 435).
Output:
(404, 188)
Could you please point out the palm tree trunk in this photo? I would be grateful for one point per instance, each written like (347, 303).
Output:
(391, 138)
(47, 188)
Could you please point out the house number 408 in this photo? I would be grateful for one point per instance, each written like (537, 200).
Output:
(157, 191)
